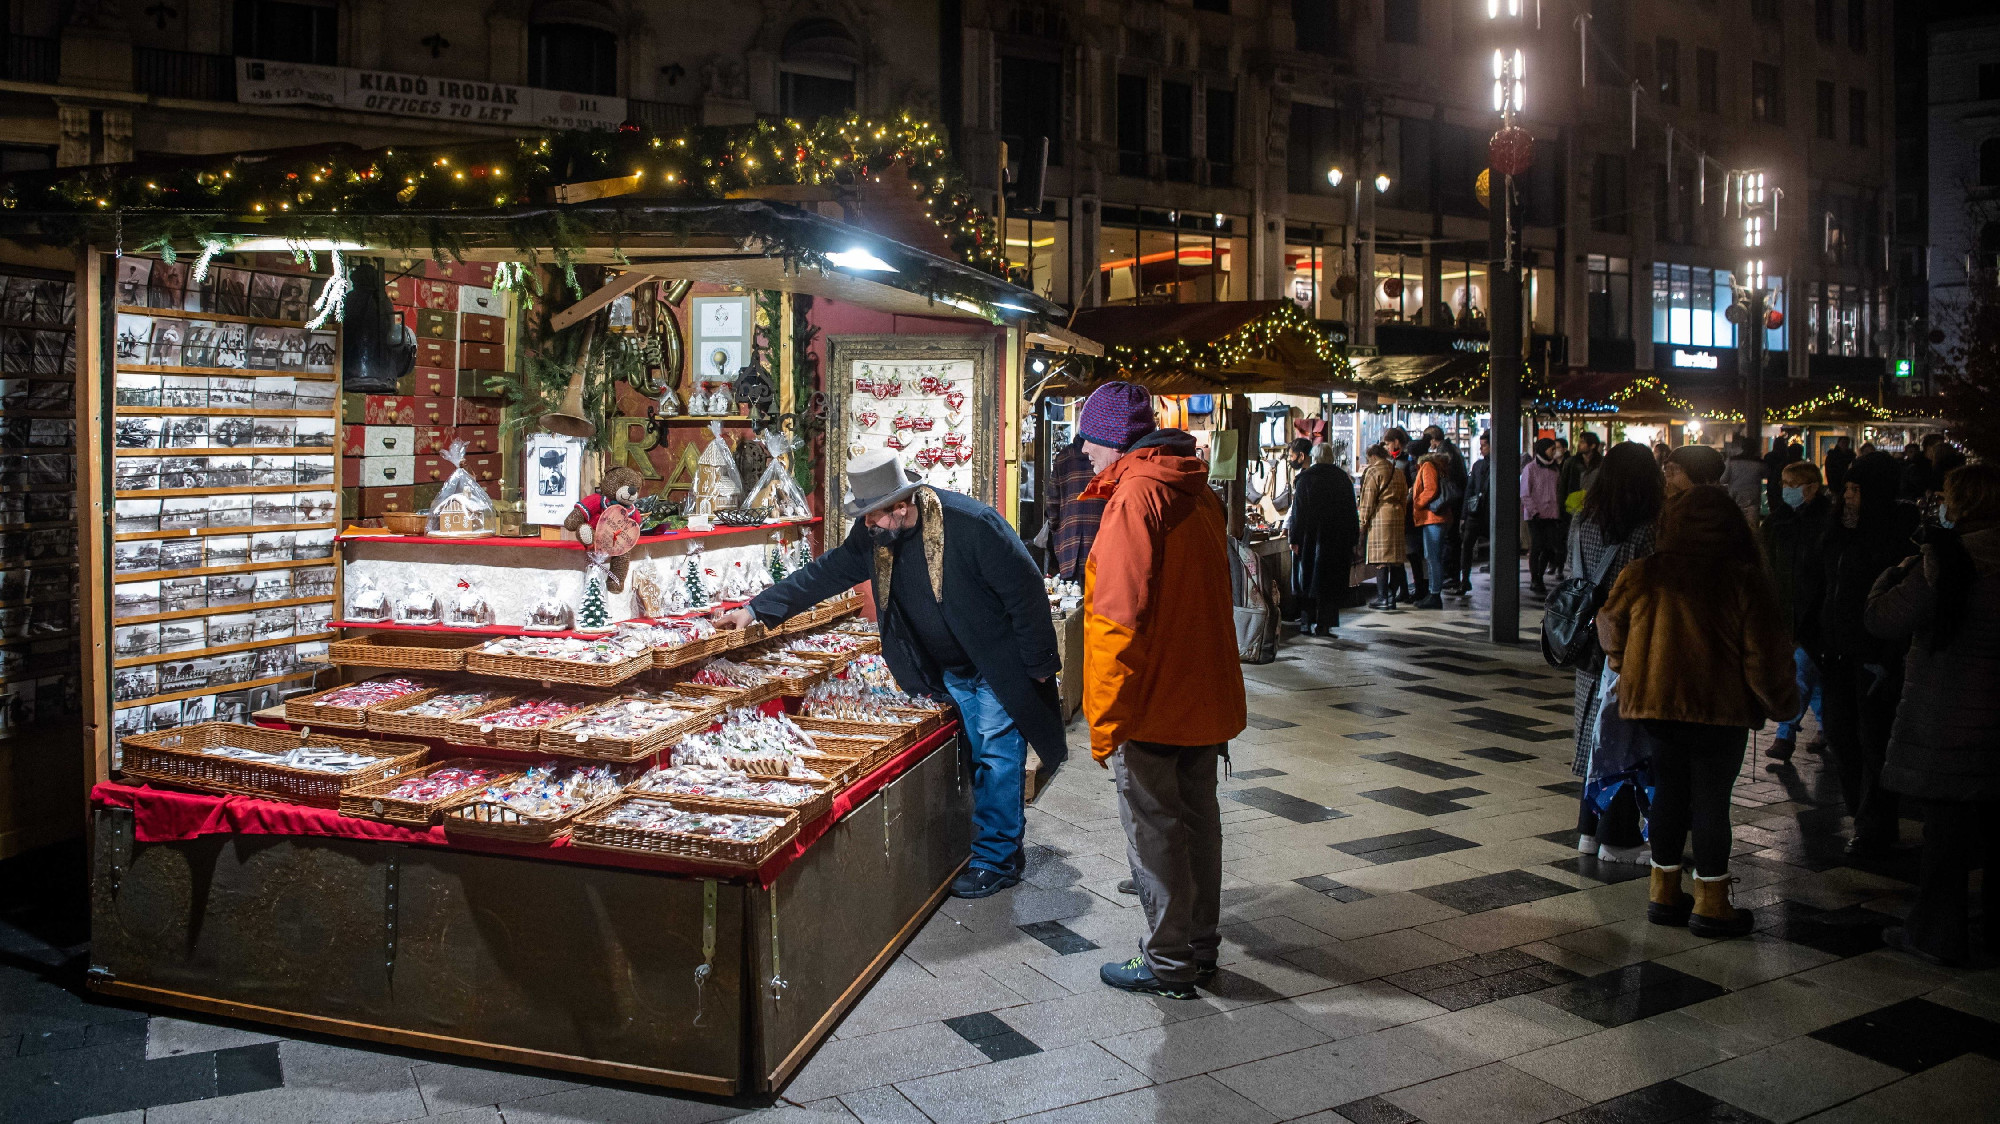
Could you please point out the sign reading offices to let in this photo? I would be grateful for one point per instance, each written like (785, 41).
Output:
(261, 82)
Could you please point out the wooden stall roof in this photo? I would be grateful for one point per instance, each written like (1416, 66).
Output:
(1251, 346)
(1451, 377)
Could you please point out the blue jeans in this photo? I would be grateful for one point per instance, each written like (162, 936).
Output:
(1809, 691)
(999, 765)
(1434, 536)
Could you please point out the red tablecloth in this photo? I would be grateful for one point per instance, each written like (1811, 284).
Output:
(164, 815)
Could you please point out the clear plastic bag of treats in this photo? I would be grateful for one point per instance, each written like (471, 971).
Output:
(418, 605)
(550, 612)
(717, 485)
(468, 608)
(366, 603)
(462, 508)
(776, 489)
(750, 741)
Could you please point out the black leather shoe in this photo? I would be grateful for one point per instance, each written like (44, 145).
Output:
(1127, 886)
(975, 883)
(1205, 970)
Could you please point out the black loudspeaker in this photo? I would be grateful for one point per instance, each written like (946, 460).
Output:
(377, 347)
(1030, 180)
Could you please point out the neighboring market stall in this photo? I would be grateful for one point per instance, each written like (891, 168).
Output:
(416, 475)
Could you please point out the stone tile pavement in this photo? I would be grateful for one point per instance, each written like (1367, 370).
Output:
(1409, 935)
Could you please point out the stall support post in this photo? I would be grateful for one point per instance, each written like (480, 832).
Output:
(1504, 383)
(1753, 386)
(1239, 420)
(91, 519)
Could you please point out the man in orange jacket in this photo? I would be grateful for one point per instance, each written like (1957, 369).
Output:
(1163, 688)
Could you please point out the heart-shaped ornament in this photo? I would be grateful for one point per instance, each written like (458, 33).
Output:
(954, 399)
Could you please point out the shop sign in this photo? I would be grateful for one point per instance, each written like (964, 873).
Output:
(1696, 360)
(425, 96)
(1470, 345)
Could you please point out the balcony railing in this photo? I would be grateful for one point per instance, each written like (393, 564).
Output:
(661, 116)
(184, 74)
(30, 58)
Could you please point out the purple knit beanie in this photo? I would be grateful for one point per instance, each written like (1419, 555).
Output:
(1117, 414)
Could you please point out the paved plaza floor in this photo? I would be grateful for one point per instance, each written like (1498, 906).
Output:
(1409, 934)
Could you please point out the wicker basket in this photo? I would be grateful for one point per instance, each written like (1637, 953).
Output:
(372, 801)
(390, 719)
(896, 735)
(466, 731)
(732, 696)
(817, 806)
(175, 757)
(838, 771)
(305, 710)
(690, 652)
(490, 819)
(590, 831)
(793, 687)
(558, 671)
(414, 651)
(555, 740)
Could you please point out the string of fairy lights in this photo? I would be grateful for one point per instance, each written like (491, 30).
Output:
(1256, 339)
(362, 194)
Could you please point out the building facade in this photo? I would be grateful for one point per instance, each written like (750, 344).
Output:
(1964, 164)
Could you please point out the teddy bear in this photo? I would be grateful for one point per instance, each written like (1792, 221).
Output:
(618, 489)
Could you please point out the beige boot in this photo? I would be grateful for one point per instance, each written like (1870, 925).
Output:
(1713, 916)
(1668, 904)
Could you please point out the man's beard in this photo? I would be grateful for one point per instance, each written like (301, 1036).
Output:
(888, 536)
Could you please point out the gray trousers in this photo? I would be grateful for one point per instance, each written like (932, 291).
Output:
(1173, 838)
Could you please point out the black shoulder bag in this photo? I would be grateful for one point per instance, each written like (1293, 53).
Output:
(1569, 616)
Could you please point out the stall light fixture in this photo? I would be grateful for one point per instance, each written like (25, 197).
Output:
(1382, 184)
(859, 258)
(274, 245)
(1333, 177)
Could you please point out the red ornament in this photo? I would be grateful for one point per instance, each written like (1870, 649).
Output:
(1774, 319)
(1511, 151)
(1392, 288)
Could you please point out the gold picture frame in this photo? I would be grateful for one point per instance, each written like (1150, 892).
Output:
(846, 356)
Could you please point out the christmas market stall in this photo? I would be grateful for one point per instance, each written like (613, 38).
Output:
(414, 478)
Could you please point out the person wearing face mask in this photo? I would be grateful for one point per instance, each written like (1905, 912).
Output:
(1792, 537)
(1861, 678)
(1541, 506)
(963, 614)
(1942, 750)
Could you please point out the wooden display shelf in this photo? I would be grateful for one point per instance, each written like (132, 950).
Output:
(220, 317)
(224, 372)
(13, 413)
(562, 544)
(197, 692)
(30, 602)
(248, 606)
(198, 532)
(199, 571)
(510, 629)
(64, 327)
(45, 525)
(245, 450)
(227, 490)
(222, 649)
(215, 412)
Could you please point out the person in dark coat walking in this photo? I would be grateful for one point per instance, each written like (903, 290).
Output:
(1792, 535)
(1862, 675)
(1325, 525)
(1836, 461)
(1943, 749)
(964, 615)
(1478, 521)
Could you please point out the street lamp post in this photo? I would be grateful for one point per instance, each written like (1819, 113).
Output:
(1757, 205)
(1508, 155)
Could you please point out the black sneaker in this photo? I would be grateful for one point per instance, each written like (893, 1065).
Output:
(1205, 970)
(976, 883)
(1133, 975)
(1127, 886)
(1431, 602)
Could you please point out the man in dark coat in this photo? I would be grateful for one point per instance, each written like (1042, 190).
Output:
(1837, 460)
(1325, 525)
(963, 614)
(1792, 535)
(1478, 520)
(1862, 675)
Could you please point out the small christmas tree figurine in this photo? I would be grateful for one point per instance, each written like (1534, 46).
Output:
(777, 565)
(697, 590)
(592, 614)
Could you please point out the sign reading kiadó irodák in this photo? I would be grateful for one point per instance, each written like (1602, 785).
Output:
(262, 82)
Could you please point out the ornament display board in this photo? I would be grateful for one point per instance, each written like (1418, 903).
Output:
(224, 486)
(39, 677)
(929, 398)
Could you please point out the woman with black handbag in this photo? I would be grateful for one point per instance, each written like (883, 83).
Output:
(1614, 528)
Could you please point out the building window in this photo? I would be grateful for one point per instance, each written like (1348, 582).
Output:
(1840, 319)
(1314, 28)
(1402, 20)
(1707, 91)
(817, 66)
(1312, 147)
(1767, 93)
(1690, 304)
(1031, 105)
(1823, 20)
(1038, 256)
(1766, 11)
(1171, 257)
(1667, 70)
(1857, 117)
(1857, 24)
(1177, 130)
(26, 158)
(1607, 29)
(1823, 122)
(1609, 296)
(282, 32)
(1989, 162)
(573, 57)
(1220, 140)
(1607, 194)
(1131, 124)
(1212, 6)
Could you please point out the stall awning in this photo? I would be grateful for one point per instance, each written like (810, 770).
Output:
(1250, 346)
(1458, 376)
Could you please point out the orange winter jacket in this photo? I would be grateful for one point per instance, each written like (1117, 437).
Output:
(1430, 481)
(1160, 662)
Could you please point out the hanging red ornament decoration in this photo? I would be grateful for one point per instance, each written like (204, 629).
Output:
(1392, 288)
(1774, 319)
(1511, 151)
